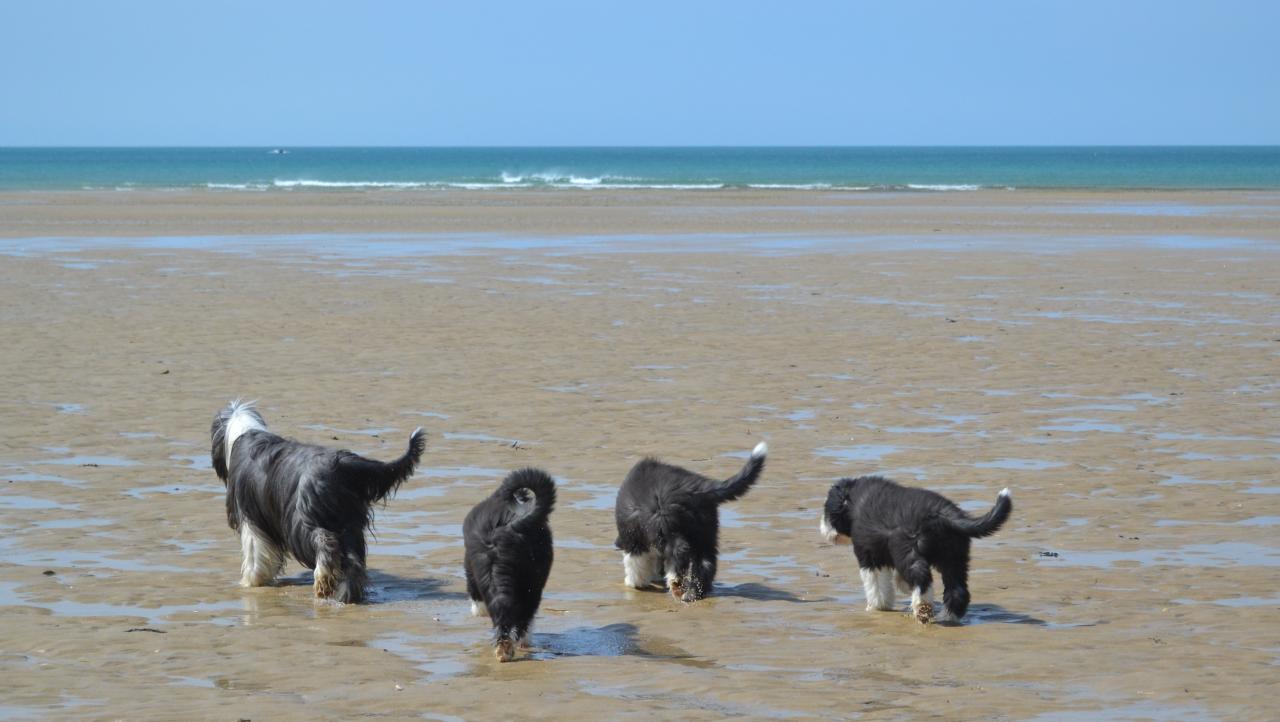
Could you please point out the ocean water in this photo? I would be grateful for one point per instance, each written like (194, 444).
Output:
(843, 168)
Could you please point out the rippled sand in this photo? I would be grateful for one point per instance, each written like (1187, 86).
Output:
(1126, 391)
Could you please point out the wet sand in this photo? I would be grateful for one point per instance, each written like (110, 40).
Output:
(1115, 368)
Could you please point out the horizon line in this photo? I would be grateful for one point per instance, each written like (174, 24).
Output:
(640, 146)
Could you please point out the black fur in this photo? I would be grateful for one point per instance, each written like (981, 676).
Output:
(309, 502)
(911, 531)
(509, 553)
(673, 513)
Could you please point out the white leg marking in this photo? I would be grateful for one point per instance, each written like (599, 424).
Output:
(640, 569)
(262, 560)
(246, 555)
(871, 587)
(887, 595)
(478, 609)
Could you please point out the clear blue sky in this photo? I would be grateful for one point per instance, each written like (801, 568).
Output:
(171, 72)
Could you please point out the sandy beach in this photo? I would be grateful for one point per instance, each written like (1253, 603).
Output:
(1110, 357)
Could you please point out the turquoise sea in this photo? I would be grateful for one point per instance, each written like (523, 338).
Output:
(701, 168)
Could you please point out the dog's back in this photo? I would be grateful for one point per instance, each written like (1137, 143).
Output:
(659, 501)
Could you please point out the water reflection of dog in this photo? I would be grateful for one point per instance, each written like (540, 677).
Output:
(287, 498)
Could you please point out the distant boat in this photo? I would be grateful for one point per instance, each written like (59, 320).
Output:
(278, 151)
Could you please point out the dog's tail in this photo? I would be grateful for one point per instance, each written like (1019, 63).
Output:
(738, 484)
(379, 479)
(518, 487)
(988, 524)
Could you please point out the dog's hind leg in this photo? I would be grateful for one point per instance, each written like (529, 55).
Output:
(640, 570)
(262, 560)
(478, 608)
(915, 570)
(352, 576)
(879, 598)
(327, 563)
(887, 582)
(955, 593)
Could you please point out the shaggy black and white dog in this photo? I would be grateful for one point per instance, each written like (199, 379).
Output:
(899, 533)
(287, 498)
(669, 523)
(508, 556)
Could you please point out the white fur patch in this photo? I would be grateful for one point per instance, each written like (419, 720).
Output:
(829, 533)
(478, 609)
(262, 561)
(760, 450)
(875, 593)
(887, 591)
(242, 419)
(640, 570)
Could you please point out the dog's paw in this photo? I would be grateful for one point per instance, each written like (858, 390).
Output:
(504, 651)
(324, 586)
(923, 612)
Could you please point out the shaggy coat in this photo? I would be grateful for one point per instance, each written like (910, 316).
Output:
(508, 555)
(669, 523)
(900, 533)
(290, 499)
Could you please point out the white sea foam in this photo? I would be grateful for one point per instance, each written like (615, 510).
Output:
(237, 186)
(303, 183)
(942, 187)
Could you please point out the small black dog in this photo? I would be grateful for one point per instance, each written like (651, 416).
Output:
(902, 532)
(509, 554)
(669, 523)
(309, 502)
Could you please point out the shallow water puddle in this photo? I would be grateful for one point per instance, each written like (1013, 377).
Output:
(90, 460)
(12, 501)
(1080, 425)
(206, 611)
(602, 497)
(1019, 464)
(864, 452)
(374, 432)
(1192, 555)
(141, 492)
(43, 478)
(460, 476)
(436, 667)
(61, 559)
(201, 462)
(665, 700)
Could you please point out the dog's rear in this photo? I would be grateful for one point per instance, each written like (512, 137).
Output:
(320, 523)
(508, 555)
(668, 523)
(905, 532)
